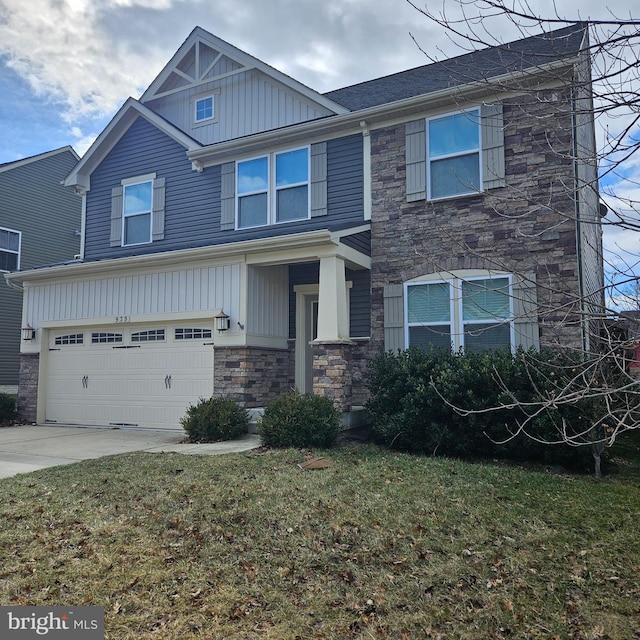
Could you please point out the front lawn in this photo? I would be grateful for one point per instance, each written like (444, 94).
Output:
(380, 545)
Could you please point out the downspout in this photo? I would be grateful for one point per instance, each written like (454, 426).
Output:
(576, 177)
(14, 285)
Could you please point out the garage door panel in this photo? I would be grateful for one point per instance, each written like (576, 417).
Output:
(150, 384)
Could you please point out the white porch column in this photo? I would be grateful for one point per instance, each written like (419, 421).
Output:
(332, 301)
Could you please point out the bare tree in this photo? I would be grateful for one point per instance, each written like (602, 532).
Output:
(608, 92)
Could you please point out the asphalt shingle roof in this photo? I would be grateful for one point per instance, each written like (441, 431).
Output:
(477, 65)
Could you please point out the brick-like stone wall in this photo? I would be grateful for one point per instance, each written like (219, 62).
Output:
(253, 375)
(28, 386)
(526, 227)
(332, 372)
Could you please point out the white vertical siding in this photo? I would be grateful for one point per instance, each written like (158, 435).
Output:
(245, 103)
(180, 290)
(268, 301)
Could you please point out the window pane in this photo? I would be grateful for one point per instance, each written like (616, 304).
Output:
(429, 302)
(137, 229)
(455, 176)
(292, 167)
(454, 134)
(487, 337)
(292, 204)
(252, 210)
(430, 338)
(8, 261)
(204, 108)
(137, 198)
(252, 175)
(9, 240)
(485, 299)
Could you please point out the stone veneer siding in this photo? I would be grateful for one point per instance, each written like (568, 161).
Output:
(332, 372)
(526, 227)
(28, 386)
(253, 375)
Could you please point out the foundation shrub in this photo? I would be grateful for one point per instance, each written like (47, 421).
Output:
(300, 420)
(7, 407)
(478, 405)
(215, 419)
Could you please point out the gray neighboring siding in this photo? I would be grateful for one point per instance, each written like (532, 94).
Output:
(33, 201)
(193, 200)
(360, 297)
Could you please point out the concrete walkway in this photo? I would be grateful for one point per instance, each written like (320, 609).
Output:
(28, 448)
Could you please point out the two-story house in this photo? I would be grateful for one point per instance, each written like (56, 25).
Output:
(243, 234)
(39, 224)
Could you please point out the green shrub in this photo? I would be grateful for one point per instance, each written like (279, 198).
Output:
(215, 419)
(300, 420)
(7, 407)
(474, 405)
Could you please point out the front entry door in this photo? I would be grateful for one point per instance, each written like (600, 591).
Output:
(306, 331)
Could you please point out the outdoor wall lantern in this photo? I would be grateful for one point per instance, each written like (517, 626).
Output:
(28, 332)
(222, 321)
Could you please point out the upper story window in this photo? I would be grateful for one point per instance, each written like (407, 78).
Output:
(273, 188)
(474, 314)
(453, 155)
(136, 212)
(9, 250)
(203, 109)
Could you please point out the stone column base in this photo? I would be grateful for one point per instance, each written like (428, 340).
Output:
(332, 372)
(28, 386)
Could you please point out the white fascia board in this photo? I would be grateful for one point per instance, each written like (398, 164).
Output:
(119, 125)
(385, 114)
(242, 58)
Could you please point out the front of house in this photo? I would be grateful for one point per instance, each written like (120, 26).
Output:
(243, 234)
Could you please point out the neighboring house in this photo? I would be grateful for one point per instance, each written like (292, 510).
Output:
(39, 224)
(244, 234)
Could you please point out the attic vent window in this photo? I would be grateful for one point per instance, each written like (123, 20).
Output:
(203, 109)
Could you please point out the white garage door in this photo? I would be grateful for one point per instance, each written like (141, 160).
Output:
(134, 376)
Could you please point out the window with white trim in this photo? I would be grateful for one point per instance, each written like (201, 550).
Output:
(192, 333)
(474, 314)
(71, 338)
(203, 109)
(9, 250)
(136, 211)
(453, 155)
(152, 335)
(272, 189)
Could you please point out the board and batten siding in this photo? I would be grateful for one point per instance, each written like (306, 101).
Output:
(193, 199)
(245, 103)
(145, 294)
(268, 301)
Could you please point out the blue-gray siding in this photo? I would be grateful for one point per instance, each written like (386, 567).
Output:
(33, 201)
(360, 297)
(192, 208)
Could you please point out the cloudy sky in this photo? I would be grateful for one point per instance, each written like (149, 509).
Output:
(67, 65)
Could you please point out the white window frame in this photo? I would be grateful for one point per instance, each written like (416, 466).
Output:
(476, 115)
(457, 322)
(272, 190)
(17, 253)
(132, 182)
(196, 100)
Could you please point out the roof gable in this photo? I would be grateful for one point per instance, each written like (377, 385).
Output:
(130, 111)
(15, 164)
(203, 58)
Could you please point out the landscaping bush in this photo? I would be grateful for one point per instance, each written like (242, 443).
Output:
(300, 420)
(419, 398)
(7, 407)
(215, 419)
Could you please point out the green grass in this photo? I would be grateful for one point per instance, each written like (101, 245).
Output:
(381, 545)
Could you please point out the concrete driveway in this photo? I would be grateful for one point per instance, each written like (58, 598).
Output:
(28, 448)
